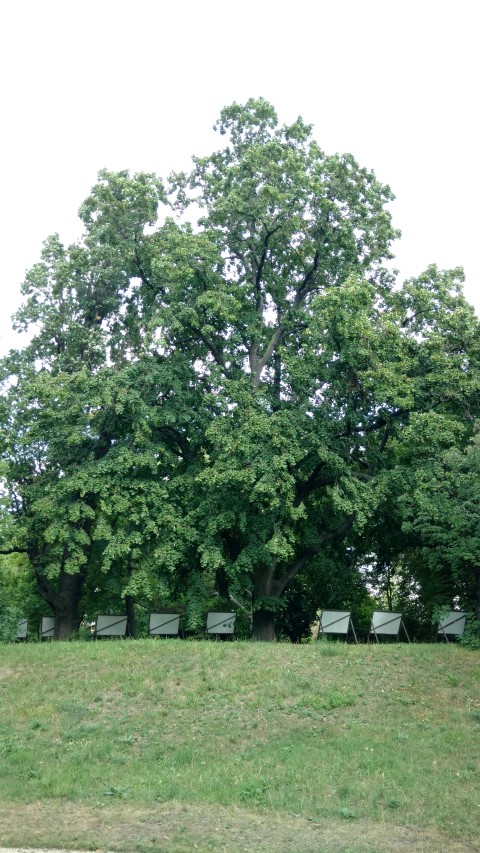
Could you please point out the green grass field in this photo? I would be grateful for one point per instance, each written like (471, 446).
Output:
(173, 745)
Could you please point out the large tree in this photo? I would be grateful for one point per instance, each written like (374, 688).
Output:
(91, 428)
(289, 362)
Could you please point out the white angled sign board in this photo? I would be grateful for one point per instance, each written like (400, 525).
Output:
(453, 623)
(386, 623)
(111, 626)
(335, 621)
(163, 624)
(22, 629)
(47, 627)
(220, 623)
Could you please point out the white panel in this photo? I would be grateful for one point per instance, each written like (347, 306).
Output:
(111, 626)
(386, 623)
(220, 623)
(22, 629)
(47, 627)
(334, 622)
(453, 623)
(164, 624)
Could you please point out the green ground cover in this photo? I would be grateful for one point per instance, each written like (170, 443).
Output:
(383, 738)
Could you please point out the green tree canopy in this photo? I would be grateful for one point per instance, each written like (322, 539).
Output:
(211, 404)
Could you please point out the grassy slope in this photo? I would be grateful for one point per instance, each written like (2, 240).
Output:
(326, 734)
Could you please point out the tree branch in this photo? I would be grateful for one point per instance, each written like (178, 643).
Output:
(299, 563)
(385, 437)
(377, 423)
(262, 362)
(303, 489)
(260, 266)
(141, 273)
(341, 530)
(45, 590)
(13, 551)
(214, 349)
(303, 288)
(281, 329)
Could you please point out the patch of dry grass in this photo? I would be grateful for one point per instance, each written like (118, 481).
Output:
(180, 828)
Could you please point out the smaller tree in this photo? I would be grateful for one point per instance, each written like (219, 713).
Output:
(443, 511)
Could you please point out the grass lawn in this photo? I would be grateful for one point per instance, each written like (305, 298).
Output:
(173, 745)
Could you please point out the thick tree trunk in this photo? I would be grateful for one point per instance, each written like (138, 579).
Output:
(263, 621)
(263, 626)
(65, 605)
(129, 602)
(477, 598)
(66, 624)
(130, 611)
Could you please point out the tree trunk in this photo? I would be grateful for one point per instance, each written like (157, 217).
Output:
(263, 626)
(130, 611)
(65, 605)
(266, 585)
(263, 621)
(477, 598)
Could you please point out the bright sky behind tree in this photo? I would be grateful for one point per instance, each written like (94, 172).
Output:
(139, 85)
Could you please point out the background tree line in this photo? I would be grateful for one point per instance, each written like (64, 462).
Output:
(248, 405)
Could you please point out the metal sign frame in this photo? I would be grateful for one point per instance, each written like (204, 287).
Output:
(391, 619)
(338, 616)
(453, 617)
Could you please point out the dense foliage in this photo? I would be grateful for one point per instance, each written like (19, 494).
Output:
(240, 406)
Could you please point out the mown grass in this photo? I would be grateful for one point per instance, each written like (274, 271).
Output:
(386, 734)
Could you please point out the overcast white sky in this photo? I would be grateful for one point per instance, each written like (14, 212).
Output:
(87, 85)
